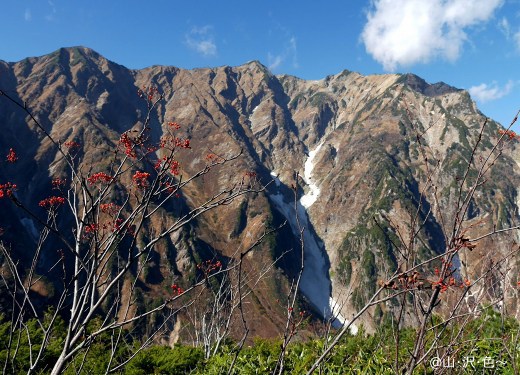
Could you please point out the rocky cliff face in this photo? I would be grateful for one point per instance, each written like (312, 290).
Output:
(365, 148)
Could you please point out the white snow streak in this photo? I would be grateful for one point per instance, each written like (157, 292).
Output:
(308, 199)
(315, 283)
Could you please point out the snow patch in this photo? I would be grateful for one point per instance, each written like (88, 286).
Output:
(275, 177)
(315, 283)
(314, 191)
(253, 120)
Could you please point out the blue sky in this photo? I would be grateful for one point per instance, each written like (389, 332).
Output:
(470, 44)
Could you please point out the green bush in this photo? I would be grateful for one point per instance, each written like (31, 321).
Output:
(180, 359)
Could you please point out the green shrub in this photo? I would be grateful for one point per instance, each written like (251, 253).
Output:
(180, 359)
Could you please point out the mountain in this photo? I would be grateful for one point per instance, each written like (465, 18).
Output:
(366, 150)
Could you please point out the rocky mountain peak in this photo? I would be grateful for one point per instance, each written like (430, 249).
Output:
(255, 64)
(418, 84)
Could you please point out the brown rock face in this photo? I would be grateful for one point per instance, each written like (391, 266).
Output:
(368, 137)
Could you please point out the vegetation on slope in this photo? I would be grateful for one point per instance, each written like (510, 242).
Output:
(488, 343)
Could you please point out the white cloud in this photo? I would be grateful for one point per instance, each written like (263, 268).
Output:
(290, 52)
(52, 15)
(293, 50)
(27, 15)
(486, 93)
(404, 32)
(201, 39)
(516, 37)
(274, 61)
(505, 27)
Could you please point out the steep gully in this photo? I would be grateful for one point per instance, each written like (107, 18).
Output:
(315, 283)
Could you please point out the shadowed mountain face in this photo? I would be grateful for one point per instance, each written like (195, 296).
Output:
(357, 144)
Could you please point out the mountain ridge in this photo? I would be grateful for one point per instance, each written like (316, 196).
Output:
(414, 81)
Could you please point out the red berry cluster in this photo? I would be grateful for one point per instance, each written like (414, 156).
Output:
(508, 133)
(128, 145)
(7, 189)
(208, 266)
(11, 156)
(451, 282)
(174, 165)
(109, 208)
(141, 179)
(99, 177)
(148, 93)
(91, 228)
(117, 225)
(71, 144)
(211, 157)
(174, 125)
(58, 183)
(295, 320)
(177, 290)
(168, 186)
(414, 280)
(171, 142)
(51, 202)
